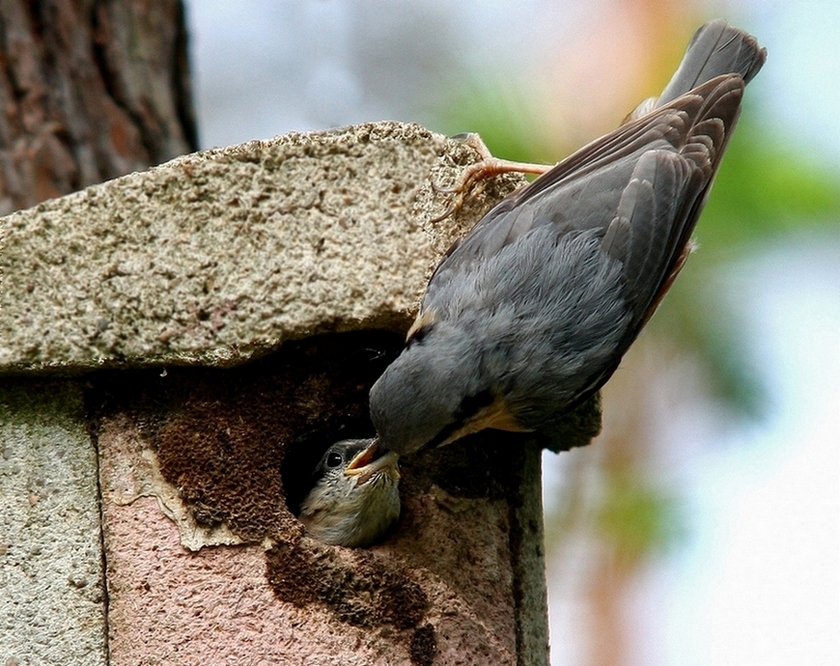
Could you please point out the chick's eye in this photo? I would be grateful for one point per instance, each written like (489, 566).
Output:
(334, 459)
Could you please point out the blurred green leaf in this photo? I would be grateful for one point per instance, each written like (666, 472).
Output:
(766, 187)
(698, 316)
(504, 116)
(639, 518)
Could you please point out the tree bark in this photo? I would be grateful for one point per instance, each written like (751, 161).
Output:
(89, 90)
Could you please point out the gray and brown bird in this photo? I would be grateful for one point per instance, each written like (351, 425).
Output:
(530, 313)
(355, 495)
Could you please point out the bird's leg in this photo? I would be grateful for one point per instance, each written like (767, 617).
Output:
(487, 167)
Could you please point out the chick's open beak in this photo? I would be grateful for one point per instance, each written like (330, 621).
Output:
(371, 461)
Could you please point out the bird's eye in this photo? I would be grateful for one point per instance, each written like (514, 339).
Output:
(334, 460)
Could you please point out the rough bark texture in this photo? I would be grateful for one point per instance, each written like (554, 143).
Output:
(89, 90)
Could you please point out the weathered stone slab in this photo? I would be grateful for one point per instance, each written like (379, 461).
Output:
(217, 256)
(52, 605)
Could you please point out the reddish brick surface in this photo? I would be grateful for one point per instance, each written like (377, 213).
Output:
(440, 590)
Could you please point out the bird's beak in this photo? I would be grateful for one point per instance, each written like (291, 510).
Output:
(370, 461)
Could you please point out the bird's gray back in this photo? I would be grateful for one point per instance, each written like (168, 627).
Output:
(555, 283)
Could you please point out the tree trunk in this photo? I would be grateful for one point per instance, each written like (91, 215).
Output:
(89, 90)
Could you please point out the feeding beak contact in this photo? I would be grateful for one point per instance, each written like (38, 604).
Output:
(371, 461)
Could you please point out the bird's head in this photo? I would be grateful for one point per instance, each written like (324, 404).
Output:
(416, 401)
(355, 496)
(438, 390)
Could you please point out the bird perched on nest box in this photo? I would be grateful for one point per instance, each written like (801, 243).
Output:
(530, 313)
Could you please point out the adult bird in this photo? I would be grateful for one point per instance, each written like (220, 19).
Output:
(530, 313)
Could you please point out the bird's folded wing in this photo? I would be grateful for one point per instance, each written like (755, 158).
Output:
(643, 185)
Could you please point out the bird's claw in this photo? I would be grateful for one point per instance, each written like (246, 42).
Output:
(487, 167)
(463, 190)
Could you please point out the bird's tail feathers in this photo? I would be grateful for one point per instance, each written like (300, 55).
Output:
(716, 48)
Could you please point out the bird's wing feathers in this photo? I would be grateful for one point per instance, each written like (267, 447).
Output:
(570, 184)
(643, 185)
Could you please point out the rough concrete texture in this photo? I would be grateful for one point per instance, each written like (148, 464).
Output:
(52, 606)
(136, 473)
(216, 256)
(171, 606)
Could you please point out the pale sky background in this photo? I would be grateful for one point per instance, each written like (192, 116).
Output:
(758, 580)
